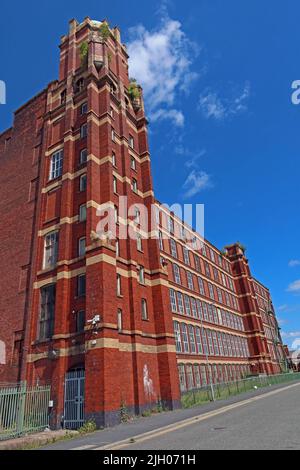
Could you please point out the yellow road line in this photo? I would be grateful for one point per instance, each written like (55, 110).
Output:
(187, 422)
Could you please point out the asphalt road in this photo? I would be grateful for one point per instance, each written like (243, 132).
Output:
(263, 419)
(269, 423)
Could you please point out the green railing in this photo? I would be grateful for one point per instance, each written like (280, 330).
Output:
(226, 389)
(23, 410)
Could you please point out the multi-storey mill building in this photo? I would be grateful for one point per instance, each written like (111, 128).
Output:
(111, 323)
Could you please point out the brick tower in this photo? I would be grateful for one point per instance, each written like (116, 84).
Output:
(97, 304)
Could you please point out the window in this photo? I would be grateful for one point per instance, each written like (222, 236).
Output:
(192, 339)
(161, 243)
(205, 311)
(201, 286)
(182, 379)
(198, 340)
(133, 163)
(81, 246)
(215, 341)
(117, 248)
(171, 225)
(46, 323)
(186, 255)
(194, 307)
(116, 215)
(113, 159)
(203, 375)
(210, 343)
(115, 185)
(185, 339)
(190, 280)
(137, 215)
(207, 269)
(131, 141)
(204, 341)
(56, 165)
(134, 185)
(111, 111)
(173, 247)
(139, 244)
(82, 183)
(50, 250)
(83, 108)
(141, 275)
(187, 305)
(200, 311)
(119, 287)
(83, 131)
(211, 291)
(120, 320)
(63, 97)
(173, 301)
(197, 262)
(197, 376)
(113, 135)
(80, 321)
(82, 213)
(81, 285)
(219, 292)
(79, 85)
(177, 337)
(190, 377)
(144, 309)
(180, 303)
(83, 156)
(176, 273)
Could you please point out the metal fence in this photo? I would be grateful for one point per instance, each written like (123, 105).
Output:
(23, 409)
(197, 396)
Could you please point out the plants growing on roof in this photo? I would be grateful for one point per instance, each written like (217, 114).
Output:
(242, 247)
(84, 50)
(104, 31)
(133, 90)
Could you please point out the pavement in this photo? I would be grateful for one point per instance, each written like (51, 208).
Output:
(266, 418)
(39, 439)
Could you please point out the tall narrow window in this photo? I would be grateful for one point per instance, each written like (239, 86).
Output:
(113, 135)
(81, 246)
(198, 341)
(81, 285)
(131, 141)
(82, 183)
(134, 185)
(182, 378)
(185, 339)
(119, 286)
(115, 185)
(113, 159)
(186, 255)
(133, 163)
(46, 323)
(120, 320)
(187, 305)
(180, 303)
(139, 244)
(56, 165)
(83, 131)
(192, 339)
(83, 108)
(201, 286)
(144, 309)
(117, 248)
(190, 280)
(161, 242)
(173, 301)
(141, 275)
(173, 247)
(83, 156)
(50, 250)
(80, 321)
(176, 273)
(197, 262)
(82, 212)
(177, 337)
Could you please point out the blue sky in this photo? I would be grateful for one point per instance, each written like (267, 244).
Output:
(223, 131)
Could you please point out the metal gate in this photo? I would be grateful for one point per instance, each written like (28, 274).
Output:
(74, 399)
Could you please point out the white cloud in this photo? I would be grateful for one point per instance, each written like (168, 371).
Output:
(294, 287)
(192, 156)
(174, 115)
(196, 181)
(160, 60)
(290, 334)
(213, 106)
(294, 262)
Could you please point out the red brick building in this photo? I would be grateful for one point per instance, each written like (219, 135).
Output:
(110, 320)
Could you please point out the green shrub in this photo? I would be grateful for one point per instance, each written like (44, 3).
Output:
(104, 31)
(88, 427)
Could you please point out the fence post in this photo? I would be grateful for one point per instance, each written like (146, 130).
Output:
(21, 409)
